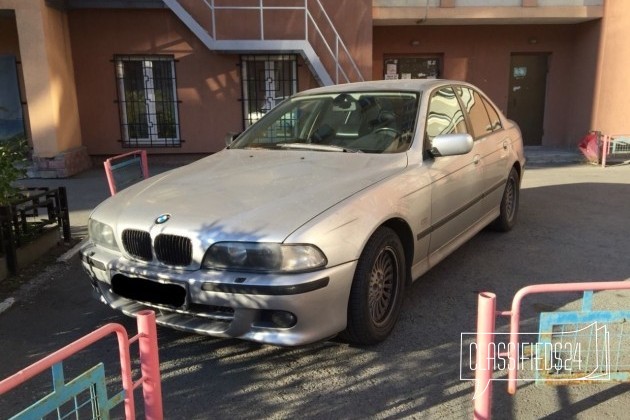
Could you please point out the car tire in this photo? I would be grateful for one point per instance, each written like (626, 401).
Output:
(509, 204)
(377, 289)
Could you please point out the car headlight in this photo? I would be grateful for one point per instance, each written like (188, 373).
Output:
(102, 234)
(263, 257)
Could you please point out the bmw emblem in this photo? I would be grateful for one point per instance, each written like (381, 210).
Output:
(163, 218)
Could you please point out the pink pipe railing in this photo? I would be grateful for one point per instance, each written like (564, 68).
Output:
(483, 373)
(486, 317)
(607, 145)
(515, 313)
(149, 364)
(605, 149)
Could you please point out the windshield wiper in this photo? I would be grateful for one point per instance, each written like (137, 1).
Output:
(260, 146)
(321, 147)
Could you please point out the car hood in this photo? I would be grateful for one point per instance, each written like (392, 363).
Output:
(246, 195)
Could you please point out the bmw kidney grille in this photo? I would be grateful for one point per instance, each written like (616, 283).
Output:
(169, 249)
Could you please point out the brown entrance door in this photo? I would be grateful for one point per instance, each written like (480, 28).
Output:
(526, 100)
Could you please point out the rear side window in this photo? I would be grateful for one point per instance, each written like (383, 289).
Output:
(473, 103)
(495, 120)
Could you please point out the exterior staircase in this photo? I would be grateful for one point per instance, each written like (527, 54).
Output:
(298, 26)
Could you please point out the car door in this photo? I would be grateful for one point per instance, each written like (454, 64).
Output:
(491, 143)
(456, 186)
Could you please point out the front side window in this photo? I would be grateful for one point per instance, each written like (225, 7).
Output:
(445, 115)
(147, 96)
(370, 122)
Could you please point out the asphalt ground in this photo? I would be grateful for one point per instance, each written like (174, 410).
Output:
(573, 226)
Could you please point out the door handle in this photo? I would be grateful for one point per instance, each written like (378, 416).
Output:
(476, 159)
(505, 145)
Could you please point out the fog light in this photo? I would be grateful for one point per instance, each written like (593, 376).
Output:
(283, 319)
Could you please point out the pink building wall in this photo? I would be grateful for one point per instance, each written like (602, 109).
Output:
(612, 99)
(207, 83)
(480, 54)
(586, 89)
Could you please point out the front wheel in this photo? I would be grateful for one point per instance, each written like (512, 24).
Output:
(509, 204)
(377, 289)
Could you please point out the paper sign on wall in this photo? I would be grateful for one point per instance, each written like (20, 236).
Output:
(520, 72)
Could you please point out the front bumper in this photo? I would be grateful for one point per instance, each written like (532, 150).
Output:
(227, 304)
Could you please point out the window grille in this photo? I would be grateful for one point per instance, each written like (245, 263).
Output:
(147, 97)
(267, 81)
(420, 67)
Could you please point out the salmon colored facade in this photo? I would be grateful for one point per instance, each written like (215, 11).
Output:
(480, 54)
(98, 78)
(207, 83)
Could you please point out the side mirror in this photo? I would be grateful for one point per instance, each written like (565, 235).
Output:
(230, 137)
(451, 144)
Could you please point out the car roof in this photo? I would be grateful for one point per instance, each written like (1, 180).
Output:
(415, 85)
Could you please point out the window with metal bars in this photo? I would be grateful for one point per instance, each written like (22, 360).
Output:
(267, 80)
(413, 67)
(147, 97)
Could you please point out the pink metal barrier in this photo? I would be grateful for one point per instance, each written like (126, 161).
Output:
(126, 169)
(149, 364)
(617, 144)
(485, 335)
(486, 317)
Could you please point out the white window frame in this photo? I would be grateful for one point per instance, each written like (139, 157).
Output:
(270, 81)
(153, 139)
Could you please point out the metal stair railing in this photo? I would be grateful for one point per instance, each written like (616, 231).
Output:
(313, 24)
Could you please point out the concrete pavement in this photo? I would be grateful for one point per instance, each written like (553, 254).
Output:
(572, 227)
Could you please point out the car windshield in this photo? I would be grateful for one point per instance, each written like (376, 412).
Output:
(369, 122)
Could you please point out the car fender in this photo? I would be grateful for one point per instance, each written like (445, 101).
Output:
(342, 231)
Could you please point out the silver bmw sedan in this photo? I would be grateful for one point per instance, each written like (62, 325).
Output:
(315, 220)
